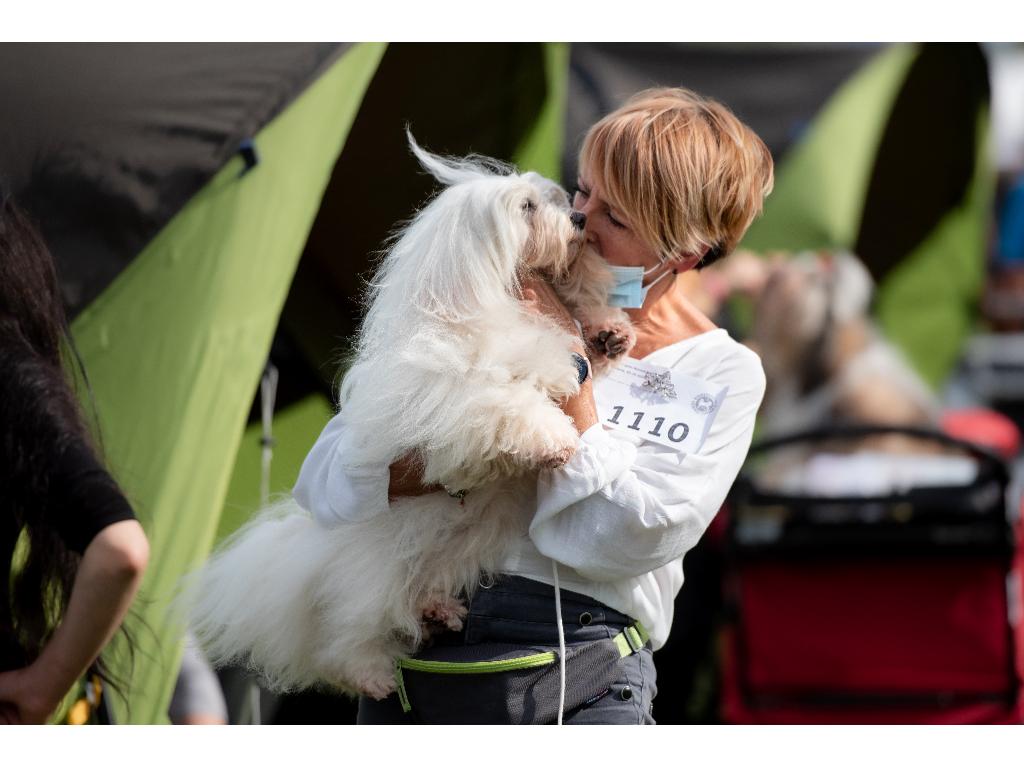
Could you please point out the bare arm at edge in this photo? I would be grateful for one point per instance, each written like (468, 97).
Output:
(107, 580)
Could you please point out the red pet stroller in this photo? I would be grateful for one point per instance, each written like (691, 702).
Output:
(900, 607)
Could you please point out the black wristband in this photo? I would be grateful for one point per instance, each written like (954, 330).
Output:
(582, 366)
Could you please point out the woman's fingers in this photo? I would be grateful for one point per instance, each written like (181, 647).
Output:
(405, 478)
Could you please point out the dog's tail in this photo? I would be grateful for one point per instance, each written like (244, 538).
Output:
(252, 603)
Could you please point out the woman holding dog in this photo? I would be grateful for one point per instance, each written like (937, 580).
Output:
(668, 183)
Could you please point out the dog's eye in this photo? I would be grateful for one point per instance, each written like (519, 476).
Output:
(529, 206)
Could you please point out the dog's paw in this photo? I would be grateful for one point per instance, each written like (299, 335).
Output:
(616, 341)
(557, 453)
(560, 457)
(443, 610)
(553, 442)
(377, 686)
(611, 342)
(608, 333)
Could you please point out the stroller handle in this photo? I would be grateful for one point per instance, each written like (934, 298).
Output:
(852, 431)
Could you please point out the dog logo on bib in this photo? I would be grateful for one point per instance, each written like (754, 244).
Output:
(703, 403)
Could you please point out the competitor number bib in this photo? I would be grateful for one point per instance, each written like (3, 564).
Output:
(658, 405)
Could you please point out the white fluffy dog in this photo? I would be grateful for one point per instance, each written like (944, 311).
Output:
(449, 367)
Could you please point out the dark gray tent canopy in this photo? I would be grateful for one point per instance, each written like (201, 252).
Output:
(103, 144)
(775, 88)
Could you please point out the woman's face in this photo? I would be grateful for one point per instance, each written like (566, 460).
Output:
(608, 231)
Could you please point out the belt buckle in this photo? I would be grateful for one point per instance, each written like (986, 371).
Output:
(633, 639)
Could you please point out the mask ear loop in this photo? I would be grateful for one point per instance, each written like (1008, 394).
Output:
(659, 278)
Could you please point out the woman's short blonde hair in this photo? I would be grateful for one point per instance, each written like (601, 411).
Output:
(685, 172)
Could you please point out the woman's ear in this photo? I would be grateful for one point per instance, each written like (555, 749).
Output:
(686, 262)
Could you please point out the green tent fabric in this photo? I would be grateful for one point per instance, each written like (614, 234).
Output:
(927, 303)
(895, 170)
(541, 148)
(294, 430)
(175, 345)
(820, 187)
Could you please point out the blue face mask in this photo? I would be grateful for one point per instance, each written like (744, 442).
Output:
(629, 290)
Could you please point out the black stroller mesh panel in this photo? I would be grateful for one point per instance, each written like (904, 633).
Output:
(957, 518)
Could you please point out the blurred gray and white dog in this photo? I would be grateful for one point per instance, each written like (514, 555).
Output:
(825, 359)
(452, 368)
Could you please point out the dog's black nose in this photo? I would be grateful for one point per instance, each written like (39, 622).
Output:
(578, 219)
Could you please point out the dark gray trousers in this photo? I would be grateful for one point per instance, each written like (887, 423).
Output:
(520, 610)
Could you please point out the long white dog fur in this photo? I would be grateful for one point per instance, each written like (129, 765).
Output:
(452, 368)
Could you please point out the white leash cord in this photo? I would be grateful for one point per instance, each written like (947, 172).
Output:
(268, 394)
(561, 643)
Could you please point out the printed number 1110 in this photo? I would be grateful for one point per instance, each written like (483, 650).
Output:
(676, 433)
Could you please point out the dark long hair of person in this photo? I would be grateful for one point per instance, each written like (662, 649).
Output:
(39, 418)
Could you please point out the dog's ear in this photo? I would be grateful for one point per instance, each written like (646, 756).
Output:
(448, 171)
(451, 170)
(853, 288)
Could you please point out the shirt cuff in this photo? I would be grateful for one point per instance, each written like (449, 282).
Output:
(598, 461)
(596, 435)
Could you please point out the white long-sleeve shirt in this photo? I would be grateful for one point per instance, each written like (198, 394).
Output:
(620, 515)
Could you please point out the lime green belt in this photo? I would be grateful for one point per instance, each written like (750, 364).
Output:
(628, 641)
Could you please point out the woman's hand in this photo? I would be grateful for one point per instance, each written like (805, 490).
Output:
(107, 579)
(24, 698)
(405, 479)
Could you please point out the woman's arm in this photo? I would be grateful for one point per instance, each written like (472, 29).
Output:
(335, 489)
(541, 298)
(107, 580)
